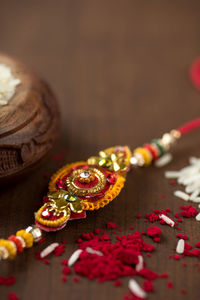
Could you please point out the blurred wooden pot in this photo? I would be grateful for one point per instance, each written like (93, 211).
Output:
(29, 123)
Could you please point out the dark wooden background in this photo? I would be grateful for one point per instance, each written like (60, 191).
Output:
(120, 71)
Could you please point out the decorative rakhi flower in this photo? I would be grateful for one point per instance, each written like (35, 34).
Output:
(76, 188)
(60, 200)
(57, 210)
(114, 158)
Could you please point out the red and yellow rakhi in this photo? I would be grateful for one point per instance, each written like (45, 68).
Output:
(82, 186)
(88, 185)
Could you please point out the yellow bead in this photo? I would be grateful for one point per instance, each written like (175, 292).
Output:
(27, 236)
(145, 154)
(10, 247)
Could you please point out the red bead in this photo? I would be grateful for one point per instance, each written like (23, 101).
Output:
(151, 150)
(59, 184)
(17, 242)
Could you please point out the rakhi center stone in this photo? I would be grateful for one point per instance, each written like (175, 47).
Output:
(85, 174)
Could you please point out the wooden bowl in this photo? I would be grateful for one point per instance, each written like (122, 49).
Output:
(29, 123)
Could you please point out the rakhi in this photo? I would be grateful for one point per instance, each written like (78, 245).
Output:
(88, 185)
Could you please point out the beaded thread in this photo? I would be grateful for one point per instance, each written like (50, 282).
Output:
(89, 185)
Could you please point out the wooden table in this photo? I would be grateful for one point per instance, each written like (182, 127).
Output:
(120, 71)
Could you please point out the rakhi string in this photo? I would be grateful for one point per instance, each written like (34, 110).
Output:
(88, 185)
(190, 126)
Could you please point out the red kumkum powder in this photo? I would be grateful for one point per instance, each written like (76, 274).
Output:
(7, 280)
(182, 236)
(111, 225)
(119, 259)
(170, 285)
(154, 232)
(13, 296)
(148, 286)
(188, 211)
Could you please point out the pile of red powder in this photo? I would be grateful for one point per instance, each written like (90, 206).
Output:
(119, 259)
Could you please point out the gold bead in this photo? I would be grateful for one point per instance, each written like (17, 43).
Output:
(175, 133)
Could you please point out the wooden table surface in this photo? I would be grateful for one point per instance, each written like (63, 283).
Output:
(120, 72)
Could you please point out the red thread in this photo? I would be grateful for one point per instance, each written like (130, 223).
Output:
(194, 73)
(190, 126)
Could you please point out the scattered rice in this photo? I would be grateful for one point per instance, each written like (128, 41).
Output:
(140, 264)
(92, 251)
(74, 257)
(48, 250)
(180, 246)
(136, 289)
(198, 217)
(189, 177)
(163, 160)
(167, 220)
(182, 195)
